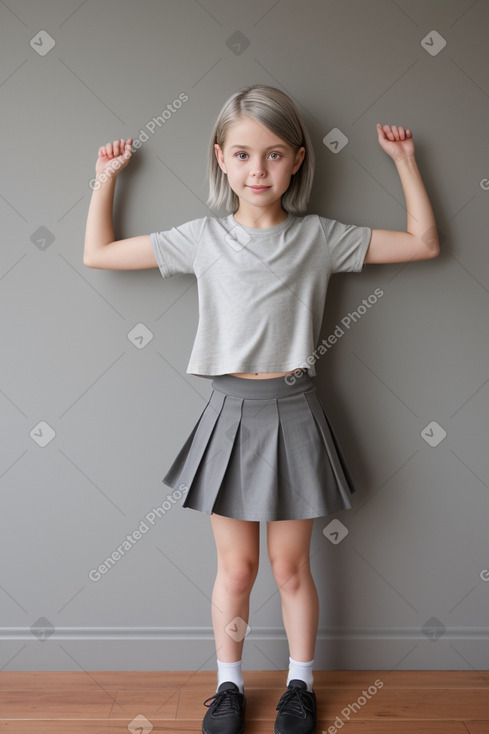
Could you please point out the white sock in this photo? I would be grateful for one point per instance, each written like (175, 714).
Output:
(230, 672)
(300, 671)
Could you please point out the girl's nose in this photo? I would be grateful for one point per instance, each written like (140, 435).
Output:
(258, 169)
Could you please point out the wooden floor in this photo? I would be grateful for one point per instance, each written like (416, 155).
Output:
(408, 702)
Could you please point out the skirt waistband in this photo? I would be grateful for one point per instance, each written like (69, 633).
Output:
(265, 388)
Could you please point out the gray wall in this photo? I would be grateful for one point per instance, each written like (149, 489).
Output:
(407, 587)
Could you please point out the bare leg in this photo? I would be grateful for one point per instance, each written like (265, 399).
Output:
(238, 547)
(288, 551)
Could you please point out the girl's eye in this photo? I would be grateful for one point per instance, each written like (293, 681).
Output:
(275, 155)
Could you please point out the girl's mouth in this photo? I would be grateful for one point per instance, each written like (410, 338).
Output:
(258, 189)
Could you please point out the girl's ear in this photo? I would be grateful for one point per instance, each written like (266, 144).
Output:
(299, 157)
(220, 157)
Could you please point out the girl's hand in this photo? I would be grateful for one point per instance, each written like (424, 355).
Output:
(114, 157)
(396, 141)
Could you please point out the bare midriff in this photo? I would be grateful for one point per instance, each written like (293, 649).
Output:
(261, 375)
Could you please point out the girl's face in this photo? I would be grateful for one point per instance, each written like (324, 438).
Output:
(257, 162)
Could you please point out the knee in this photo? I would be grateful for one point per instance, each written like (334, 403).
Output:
(239, 576)
(289, 574)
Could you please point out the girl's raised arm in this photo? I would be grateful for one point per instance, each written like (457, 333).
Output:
(100, 250)
(420, 239)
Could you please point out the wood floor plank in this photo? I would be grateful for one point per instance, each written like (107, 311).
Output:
(133, 680)
(72, 704)
(388, 704)
(105, 702)
(399, 678)
(436, 704)
(477, 727)
(120, 679)
(159, 704)
(182, 727)
(98, 727)
(385, 727)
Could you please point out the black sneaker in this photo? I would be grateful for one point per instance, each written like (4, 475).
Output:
(296, 710)
(226, 712)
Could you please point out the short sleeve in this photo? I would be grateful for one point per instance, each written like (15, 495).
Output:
(175, 248)
(347, 244)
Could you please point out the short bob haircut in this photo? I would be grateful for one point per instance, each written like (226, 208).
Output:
(274, 109)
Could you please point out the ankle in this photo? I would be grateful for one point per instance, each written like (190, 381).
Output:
(230, 672)
(301, 671)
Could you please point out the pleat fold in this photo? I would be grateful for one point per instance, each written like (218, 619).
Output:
(344, 481)
(190, 455)
(265, 458)
(250, 487)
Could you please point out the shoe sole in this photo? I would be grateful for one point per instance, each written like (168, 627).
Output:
(277, 731)
(240, 731)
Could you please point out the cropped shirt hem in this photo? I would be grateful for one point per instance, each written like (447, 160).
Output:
(213, 371)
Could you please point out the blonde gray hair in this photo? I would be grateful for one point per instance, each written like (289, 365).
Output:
(274, 109)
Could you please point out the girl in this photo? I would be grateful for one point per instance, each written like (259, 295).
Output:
(263, 448)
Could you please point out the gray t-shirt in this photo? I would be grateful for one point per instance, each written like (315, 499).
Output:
(261, 292)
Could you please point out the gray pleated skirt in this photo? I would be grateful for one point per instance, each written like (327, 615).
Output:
(262, 449)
